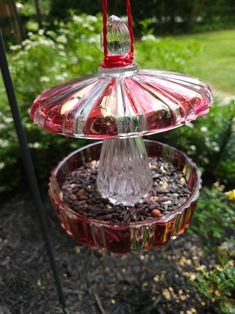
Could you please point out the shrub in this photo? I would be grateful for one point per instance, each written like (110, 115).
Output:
(44, 59)
(218, 284)
(226, 165)
(205, 144)
(213, 221)
(213, 218)
(167, 53)
(171, 16)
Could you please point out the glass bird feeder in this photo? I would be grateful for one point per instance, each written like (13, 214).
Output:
(119, 106)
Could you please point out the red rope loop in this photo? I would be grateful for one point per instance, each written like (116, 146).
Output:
(115, 61)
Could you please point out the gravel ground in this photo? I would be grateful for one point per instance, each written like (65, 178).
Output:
(94, 282)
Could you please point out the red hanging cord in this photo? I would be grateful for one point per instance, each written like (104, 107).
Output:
(115, 61)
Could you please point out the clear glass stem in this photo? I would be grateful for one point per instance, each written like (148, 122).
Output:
(124, 176)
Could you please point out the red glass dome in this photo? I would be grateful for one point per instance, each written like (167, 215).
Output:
(121, 102)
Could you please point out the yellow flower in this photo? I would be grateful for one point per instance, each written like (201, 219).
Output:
(231, 195)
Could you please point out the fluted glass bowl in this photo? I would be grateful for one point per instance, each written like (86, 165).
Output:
(120, 103)
(124, 237)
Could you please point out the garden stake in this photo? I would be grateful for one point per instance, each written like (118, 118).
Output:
(29, 168)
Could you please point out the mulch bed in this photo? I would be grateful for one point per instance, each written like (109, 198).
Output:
(170, 190)
(94, 282)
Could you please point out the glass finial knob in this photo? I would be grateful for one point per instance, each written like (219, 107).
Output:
(118, 37)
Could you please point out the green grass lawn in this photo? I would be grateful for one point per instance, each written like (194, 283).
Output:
(213, 62)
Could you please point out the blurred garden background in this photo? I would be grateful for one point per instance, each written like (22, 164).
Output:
(50, 41)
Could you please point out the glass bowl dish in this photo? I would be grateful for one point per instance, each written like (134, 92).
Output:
(125, 237)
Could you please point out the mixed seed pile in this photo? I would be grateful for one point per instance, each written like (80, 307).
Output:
(170, 190)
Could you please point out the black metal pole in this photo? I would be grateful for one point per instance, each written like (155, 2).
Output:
(29, 168)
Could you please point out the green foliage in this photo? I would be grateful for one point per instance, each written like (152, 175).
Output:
(47, 58)
(27, 9)
(167, 53)
(9, 153)
(169, 16)
(213, 218)
(226, 166)
(146, 26)
(44, 59)
(218, 284)
(205, 144)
